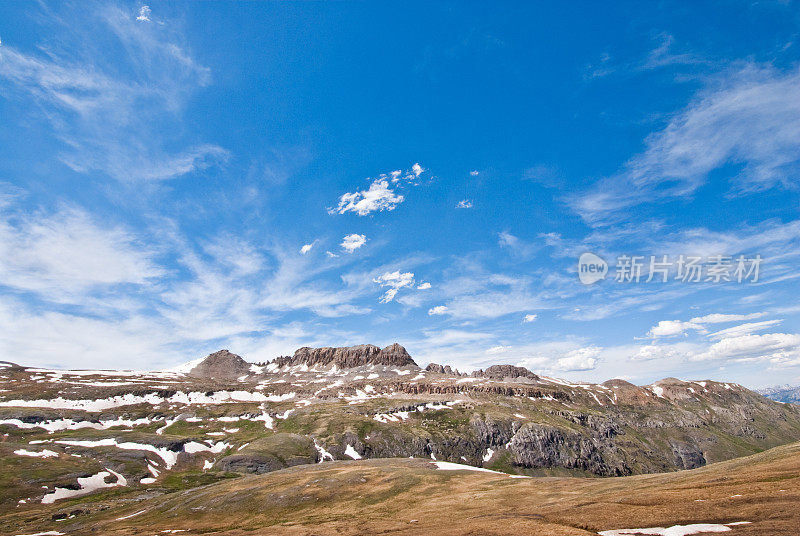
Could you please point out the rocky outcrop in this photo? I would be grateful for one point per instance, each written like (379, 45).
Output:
(542, 446)
(271, 454)
(688, 456)
(222, 365)
(503, 372)
(349, 356)
(441, 369)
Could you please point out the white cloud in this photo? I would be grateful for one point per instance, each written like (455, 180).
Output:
(62, 256)
(395, 281)
(749, 118)
(377, 198)
(579, 360)
(516, 245)
(306, 248)
(506, 239)
(744, 329)
(424, 286)
(653, 352)
(464, 203)
(144, 14)
(352, 242)
(495, 350)
(775, 347)
(474, 173)
(529, 318)
(380, 195)
(720, 318)
(670, 328)
(448, 337)
(492, 303)
(438, 310)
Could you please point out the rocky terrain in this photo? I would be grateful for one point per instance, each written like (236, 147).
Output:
(73, 439)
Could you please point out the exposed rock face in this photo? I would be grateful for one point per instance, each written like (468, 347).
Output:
(688, 456)
(222, 365)
(439, 369)
(271, 454)
(501, 372)
(546, 446)
(350, 356)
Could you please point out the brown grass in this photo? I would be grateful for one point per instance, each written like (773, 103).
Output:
(410, 497)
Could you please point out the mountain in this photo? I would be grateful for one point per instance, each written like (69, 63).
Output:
(784, 393)
(70, 433)
(505, 372)
(349, 357)
(221, 365)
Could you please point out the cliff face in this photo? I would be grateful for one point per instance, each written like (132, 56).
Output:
(502, 372)
(350, 356)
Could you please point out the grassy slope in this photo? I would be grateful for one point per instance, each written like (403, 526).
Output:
(401, 496)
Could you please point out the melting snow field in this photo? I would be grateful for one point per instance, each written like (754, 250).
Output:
(170, 457)
(193, 398)
(323, 454)
(87, 485)
(450, 466)
(675, 530)
(35, 454)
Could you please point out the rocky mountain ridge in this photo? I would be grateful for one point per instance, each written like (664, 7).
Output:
(361, 355)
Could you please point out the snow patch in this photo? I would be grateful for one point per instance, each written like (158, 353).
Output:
(675, 530)
(34, 454)
(350, 451)
(87, 485)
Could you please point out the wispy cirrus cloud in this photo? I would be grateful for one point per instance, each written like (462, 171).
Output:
(748, 117)
(62, 256)
(111, 112)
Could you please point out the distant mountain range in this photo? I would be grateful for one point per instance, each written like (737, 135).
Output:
(783, 393)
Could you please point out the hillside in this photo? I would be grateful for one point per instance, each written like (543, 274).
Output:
(756, 495)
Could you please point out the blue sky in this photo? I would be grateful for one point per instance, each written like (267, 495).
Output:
(181, 177)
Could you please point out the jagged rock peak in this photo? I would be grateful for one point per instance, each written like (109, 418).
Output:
(221, 365)
(439, 369)
(500, 372)
(350, 356)
(442, 369)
